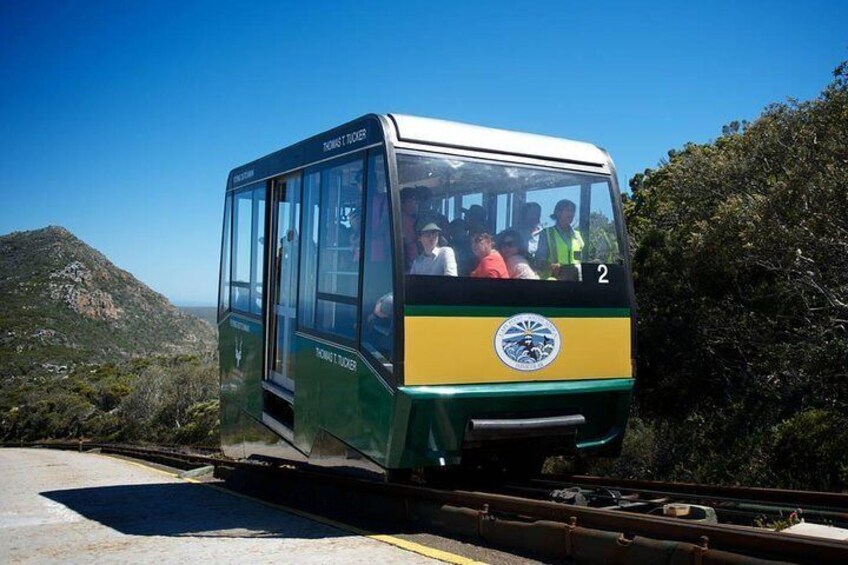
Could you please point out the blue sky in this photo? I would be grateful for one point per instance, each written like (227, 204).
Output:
(120, 120)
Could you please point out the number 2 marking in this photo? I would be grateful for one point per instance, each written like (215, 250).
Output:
(603, 270)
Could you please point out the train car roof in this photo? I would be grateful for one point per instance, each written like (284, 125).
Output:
(414, 131)
(430, 131)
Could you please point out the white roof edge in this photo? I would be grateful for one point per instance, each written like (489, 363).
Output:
(456, 134)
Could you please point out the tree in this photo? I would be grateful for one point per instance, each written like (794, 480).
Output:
(740, 257)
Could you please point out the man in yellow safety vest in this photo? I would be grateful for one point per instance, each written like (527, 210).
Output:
(560, 246)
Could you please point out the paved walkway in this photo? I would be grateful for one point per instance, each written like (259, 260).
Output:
(58, 506)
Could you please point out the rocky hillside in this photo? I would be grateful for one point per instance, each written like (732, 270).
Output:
(64, 303)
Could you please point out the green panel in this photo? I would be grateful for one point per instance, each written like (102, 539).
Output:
(337, 391)
(240, 342)
(430, 421)
(506, 311)
(232, 435)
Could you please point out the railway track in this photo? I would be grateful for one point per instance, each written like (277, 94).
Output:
(615, 521)
(742, 506)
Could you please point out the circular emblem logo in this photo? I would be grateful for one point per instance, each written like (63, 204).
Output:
(527, 342)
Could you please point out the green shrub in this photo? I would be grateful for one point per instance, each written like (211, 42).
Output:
(810, 451)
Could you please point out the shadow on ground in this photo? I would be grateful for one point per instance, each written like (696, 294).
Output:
(186, 509)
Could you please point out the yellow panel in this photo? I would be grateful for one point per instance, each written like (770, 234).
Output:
(446, 350)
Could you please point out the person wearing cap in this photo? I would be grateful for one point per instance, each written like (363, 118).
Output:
(560, 246)
(491, 264)
(433, 260)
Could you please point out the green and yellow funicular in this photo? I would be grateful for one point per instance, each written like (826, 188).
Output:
(402, 293)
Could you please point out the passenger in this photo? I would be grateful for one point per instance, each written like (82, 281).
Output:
(355, 233)
(378, 240)
(491, 264)
(560, 246)
(458, 239)
(431, 217)
(287, 246)
(409, 214)
(529, 225)
(423, 194)
(347, 243)
(379, 325)
(475, 217)
(434, 260)
(441, 220)
(513, 250)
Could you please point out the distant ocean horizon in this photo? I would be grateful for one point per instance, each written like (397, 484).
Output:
(194, 303)
(206, 312)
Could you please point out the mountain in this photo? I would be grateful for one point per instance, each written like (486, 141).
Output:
(63, 303)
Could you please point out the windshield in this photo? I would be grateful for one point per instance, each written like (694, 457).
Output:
(477, 219)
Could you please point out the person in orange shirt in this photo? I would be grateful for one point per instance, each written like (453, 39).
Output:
(491, 264)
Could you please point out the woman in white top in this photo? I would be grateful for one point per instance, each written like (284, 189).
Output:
(434, 260)
(512, 248)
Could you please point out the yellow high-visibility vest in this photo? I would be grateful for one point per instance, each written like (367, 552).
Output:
(561, 251)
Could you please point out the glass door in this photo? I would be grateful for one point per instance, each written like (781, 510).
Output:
(284, 285)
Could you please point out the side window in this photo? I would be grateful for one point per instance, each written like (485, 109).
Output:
(545, 224)
(248, 250)
(377, 290)
(258, 253)
(332, 216)
(603, 240)
(309, 249)
(242, 215)
(338, 251)
(224, 283)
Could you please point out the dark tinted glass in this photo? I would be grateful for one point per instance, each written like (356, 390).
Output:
(377, 290)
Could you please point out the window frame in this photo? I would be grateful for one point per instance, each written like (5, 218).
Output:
(226, 257)
(389, 376)
(317, 295)
(254, 189)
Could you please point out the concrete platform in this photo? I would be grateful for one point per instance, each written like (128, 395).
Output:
(58, 506)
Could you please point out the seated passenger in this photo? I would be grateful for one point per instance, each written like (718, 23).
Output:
(437, 218)
(528, 224)
(433, 260)
(379, 326)
(476, 217)
(512, 249)
(560, 246)
(458, 239)
(491, 264)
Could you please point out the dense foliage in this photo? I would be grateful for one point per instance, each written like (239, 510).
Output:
(156, 400)
(740, 258)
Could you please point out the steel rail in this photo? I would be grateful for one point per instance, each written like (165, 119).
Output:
(550, 522)
(729, 504)
(748, 541)
(752, 494)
